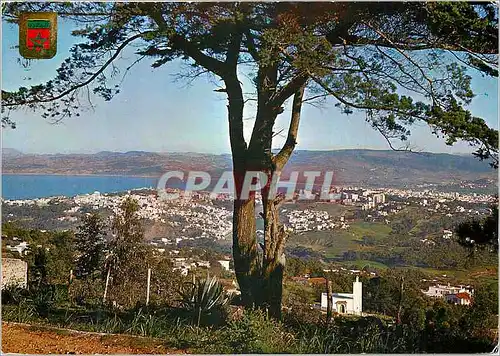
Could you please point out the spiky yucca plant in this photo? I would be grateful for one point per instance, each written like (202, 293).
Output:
(203, 296)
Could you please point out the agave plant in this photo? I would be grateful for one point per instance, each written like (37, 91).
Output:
(203, 296)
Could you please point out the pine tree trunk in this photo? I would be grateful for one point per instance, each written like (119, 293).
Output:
(245, 249)
(246, 264)
(273, 262)
(261, 282)
(244, 230)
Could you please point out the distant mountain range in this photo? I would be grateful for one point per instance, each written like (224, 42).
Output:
(353, 166)
(10, 152)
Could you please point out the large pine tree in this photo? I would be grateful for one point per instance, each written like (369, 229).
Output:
(363, 55)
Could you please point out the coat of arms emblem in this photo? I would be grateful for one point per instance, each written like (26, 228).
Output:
(38, 35)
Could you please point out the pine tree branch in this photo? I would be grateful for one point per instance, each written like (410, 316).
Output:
(282, 157)
(82, 84)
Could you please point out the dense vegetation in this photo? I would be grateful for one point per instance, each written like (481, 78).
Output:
(432, 327)
(197, 315)
(397, 242)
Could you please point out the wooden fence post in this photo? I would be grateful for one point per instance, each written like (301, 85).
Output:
(106, 287)
(70, 281)
(149, 284)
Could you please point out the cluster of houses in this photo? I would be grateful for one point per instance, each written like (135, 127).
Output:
(197, 217)
(202, 217)
(447, 235)
(183, 264)
(365, 199)
(461, 295)
(440, 197)
(308, 220)
(211, 221)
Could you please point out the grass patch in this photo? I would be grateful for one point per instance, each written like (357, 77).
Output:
(378, 231)
(334, 243)
(255, 332)
(330, 243)
(54, 330)
(436, 272)
(360, 264)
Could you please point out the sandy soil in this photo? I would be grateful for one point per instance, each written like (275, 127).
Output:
(31, 339)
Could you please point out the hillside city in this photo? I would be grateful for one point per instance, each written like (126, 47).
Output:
(205, 217)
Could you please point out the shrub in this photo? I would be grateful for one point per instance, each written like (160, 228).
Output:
(87, 291)
(204, 298)
(13, 295)
(255, 332)
(353, 335)
(148, 324)
(43, 299)
(24, 312)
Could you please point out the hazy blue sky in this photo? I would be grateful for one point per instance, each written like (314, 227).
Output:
(154, 113)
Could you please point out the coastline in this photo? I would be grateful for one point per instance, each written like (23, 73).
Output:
(21, 186)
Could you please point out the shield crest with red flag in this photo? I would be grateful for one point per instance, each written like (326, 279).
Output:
(38, 35)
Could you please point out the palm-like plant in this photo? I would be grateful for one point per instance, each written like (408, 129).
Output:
(203, 296)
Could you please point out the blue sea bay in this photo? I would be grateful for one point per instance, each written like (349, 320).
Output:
(32, 186)
(17, 186)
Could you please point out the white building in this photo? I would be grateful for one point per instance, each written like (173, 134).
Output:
(346, 303)
(379, 198)
(447, 292)
(22, 247)
(306, 194)
(224, 264)
(447, 234)
(462, 298)
(205, 264)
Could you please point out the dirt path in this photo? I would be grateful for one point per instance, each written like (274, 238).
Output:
(32, 339)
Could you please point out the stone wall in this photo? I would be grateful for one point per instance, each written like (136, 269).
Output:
(14, 272)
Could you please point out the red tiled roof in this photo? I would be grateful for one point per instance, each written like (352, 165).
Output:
(317, 280)
(463, 295)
